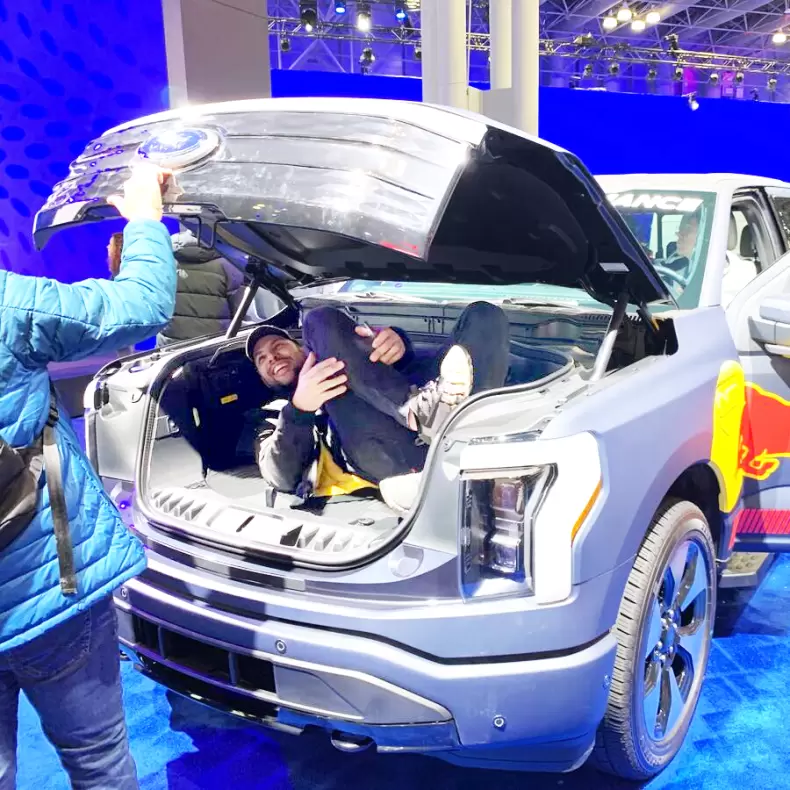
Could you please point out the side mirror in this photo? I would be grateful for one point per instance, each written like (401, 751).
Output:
(771, 328)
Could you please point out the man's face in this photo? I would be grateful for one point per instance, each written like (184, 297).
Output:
(114, 249)
(277, 360)
(687, 236)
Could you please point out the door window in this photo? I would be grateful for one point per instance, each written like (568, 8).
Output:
(780, 199)
(749, 248)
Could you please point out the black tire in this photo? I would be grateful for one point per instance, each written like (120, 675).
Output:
(624, 747)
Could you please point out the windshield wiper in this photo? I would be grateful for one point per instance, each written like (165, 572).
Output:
(570, 304)
(346, 296)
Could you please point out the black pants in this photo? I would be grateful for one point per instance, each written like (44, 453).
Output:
(369, 419)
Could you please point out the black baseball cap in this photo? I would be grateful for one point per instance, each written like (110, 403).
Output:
(263, 331)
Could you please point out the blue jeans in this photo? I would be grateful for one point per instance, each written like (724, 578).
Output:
(71, 675)
(369, 419)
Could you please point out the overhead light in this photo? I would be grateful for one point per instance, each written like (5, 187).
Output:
(609, 23)
(739, 78)
(780, 37)
(285, 44)
(614, 69)
(364, 20)
(624, 14)
(400, 13)
(693, 103)
(653, 17)
(340, 7)
(638, 25)
(418, 53)
(772, 84)
(652, 74)
(714, 78)
(588, 70)
(308, 15)
(678, 73)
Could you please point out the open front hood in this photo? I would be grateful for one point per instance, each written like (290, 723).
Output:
(370, 189)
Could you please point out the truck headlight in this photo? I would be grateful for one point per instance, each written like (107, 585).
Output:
(496, 530)
(526, 502)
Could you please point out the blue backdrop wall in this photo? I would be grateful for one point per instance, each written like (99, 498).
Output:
(615, 132)
(68, 71)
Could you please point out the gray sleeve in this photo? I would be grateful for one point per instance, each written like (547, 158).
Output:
(285, 452)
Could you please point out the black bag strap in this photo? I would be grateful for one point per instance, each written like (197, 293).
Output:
(57, 499)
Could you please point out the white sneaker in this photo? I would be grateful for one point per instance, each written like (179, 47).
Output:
(435, 401)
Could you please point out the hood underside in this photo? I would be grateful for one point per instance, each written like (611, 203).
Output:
(329, 188)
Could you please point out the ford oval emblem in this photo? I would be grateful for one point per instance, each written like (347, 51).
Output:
(176, 148)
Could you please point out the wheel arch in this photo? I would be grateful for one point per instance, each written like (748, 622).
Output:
(700, 484)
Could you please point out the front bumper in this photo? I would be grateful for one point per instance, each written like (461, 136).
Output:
(539, 714)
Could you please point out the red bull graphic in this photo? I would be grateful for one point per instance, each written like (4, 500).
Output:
(765, 432)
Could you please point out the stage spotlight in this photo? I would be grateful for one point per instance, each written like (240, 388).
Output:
(739, 78)
(780, 37)
(364, 20)
(609, 23)
(653, 18)
(677, 74)
(714, 78)
(693, 103)
(638, 25)
(772, 84)
(652, 74)
(624, 14)
(588, 70)
(340, 7)
(285, 44)
(418, 54)
(672, 39)
(308, 16)
(614, 69)
(400, 14)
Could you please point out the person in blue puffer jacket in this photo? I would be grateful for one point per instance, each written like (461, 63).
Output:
(62, 651)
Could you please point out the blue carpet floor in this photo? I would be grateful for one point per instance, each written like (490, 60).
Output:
(738, 739)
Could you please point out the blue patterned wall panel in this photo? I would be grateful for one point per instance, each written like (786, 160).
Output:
(68, 71)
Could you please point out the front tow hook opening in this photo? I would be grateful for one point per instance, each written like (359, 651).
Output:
(350, 744)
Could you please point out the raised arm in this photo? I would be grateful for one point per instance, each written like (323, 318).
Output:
(46, 321)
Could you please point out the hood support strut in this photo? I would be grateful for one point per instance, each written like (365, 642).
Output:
(607, 346)
(260, 277)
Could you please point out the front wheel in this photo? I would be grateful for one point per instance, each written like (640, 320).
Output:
(664, 632)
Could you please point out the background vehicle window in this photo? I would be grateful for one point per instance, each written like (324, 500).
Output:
(674, 230)
(780, 198)
(749, 249)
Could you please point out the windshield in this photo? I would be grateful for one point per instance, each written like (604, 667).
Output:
(674, 230)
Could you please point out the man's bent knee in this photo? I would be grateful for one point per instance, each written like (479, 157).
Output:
(485, 318)
(327, 331)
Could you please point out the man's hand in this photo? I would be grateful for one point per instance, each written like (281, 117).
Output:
(142, 193)
(388, 345)
(318, 383)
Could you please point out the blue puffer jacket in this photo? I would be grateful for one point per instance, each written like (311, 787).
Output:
(43, 321)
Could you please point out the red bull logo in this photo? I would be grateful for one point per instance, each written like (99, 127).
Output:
(765, 432)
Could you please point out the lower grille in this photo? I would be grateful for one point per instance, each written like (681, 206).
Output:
(213, 663)
(213, 696)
